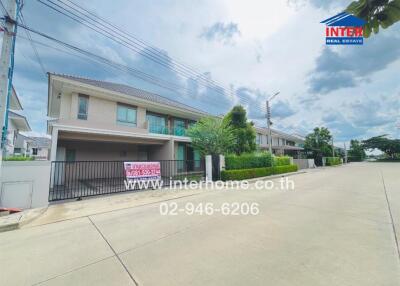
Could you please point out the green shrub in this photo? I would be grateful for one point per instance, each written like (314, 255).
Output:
(285, 169)
(243, 174)
(18, 158)
(281, 161)
(354, 159)
(332, 161)
(248, 161)
(388, 160)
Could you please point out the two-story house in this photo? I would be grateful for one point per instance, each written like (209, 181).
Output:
(16, 123)
(282, 143)
(103, 121)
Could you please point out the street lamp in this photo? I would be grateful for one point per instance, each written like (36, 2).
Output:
(269, 120)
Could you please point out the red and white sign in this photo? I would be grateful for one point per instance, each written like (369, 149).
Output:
(142, 170)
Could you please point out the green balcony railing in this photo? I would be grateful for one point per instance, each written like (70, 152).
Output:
(178, 131)
(159, 129)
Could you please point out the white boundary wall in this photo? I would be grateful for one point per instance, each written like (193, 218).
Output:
(304, 163)
(25, 184)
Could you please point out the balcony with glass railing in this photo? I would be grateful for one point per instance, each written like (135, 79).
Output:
(161, 125)
(158, 129)
(161, 129)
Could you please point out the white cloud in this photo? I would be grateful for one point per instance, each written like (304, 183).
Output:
(278, 50)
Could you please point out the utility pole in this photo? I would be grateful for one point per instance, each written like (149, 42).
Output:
(269, 128)
(345, 153)
(333, 149)
(6, 64)
(268, 115)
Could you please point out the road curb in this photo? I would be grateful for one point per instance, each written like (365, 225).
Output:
(17, 220)
(275, 176)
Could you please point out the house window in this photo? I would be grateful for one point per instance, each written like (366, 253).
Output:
(157, 124)
(179, 127)
(191, 123)
(83, 102)
(34, 151)
(126, 115)
(259, 139)
(70, 155)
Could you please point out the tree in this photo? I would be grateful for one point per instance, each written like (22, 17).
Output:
(318, 144)
(356, 151)
(211, 136)
(391, 147)
(377, 13)
(244, 132)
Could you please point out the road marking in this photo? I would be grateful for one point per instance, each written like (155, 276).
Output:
(391, 216)
(112, 249)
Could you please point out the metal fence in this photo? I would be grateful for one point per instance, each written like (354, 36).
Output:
(71, 180)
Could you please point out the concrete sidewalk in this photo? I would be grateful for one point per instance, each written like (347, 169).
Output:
(66, 210)
(335, 228)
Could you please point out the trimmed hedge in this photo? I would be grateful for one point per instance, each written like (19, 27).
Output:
(229, 175)
(354, 159)
(285, 169)
(282, 161)
(332, 161)
(18, 158)
(248, 161)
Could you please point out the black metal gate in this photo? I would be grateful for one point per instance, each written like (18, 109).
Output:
(72, 180)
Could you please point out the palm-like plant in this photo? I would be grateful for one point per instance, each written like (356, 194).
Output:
(377, 13)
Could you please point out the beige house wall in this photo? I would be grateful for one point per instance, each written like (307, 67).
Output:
(102, 113)
(102, 151)
(162, 152)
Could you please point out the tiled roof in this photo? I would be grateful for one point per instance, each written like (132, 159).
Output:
(128, 90)
(41, 141)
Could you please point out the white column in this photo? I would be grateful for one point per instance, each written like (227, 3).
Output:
(53, 153)
(221, 163)
(208, 168)
(54, 140)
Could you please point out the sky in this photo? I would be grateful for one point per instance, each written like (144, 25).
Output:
(251, 49)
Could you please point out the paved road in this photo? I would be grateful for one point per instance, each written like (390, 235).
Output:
(336, 228)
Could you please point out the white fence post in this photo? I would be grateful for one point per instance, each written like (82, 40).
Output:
(208, 168)
(221, 163)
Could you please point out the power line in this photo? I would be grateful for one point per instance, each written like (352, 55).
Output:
(111, 35)
(136, 73)
(136, 40)
(33, 45)
(4, 8)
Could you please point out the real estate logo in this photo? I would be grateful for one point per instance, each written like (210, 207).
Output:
(344, 29)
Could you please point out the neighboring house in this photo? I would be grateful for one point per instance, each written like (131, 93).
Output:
(102, 121)
(22, 145)
(40, 148)
(16, 123)
(282, 143)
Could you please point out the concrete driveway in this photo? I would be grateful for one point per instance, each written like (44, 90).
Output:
(338, 227)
